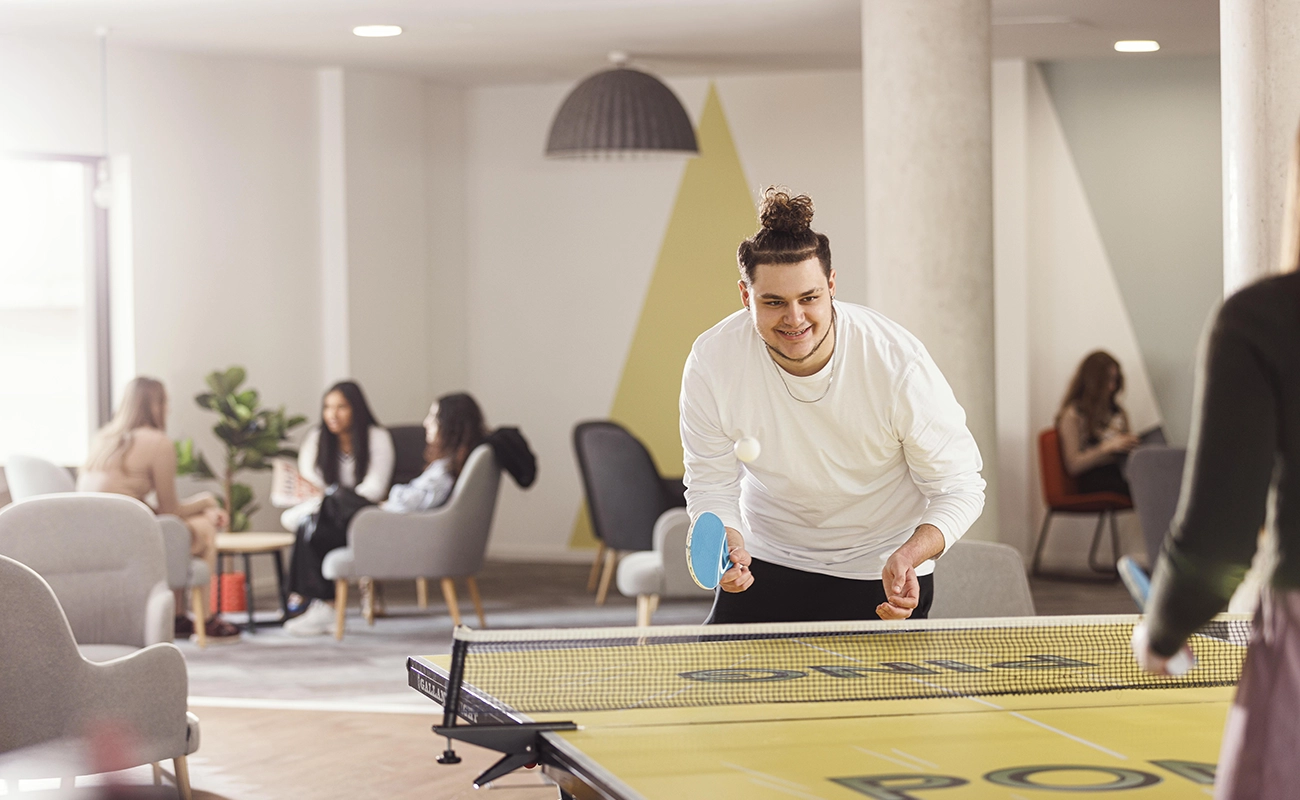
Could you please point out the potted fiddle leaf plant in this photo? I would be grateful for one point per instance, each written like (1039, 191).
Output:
(253, 436)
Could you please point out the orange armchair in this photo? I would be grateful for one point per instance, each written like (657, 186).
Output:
(1062, 496)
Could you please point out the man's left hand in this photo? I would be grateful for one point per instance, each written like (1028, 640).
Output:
(902, 589)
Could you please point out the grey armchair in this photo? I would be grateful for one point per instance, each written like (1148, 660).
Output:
(662, 572)
(447, 542)
(981, 579)
(50, 693)
(103, 556)
(184, 571)
(29, 476)
(1155, 480)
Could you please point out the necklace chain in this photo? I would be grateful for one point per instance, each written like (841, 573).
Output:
(830, 379)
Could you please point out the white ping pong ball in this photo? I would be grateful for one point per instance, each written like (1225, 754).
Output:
(747, 449)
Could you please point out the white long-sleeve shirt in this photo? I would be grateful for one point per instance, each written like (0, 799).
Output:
(373, 485)
(839, 483)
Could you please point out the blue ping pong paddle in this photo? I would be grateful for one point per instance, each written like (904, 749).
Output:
(1135, 580)
(706, 550)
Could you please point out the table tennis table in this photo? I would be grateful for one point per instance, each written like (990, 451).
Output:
(999, 715)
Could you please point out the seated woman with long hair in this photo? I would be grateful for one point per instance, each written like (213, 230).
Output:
(1093, 428)
(452, 429)
(132, 455)
(350, 457)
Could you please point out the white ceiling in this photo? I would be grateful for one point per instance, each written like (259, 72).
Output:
(494, 41)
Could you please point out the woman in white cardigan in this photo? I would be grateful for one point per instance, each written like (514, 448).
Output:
(348, 450)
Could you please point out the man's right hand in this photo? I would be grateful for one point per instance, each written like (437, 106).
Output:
(738, 578)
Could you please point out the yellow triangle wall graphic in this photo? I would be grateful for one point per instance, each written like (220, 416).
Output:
(694, 286)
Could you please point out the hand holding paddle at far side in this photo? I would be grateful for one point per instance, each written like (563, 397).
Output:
(902, 588)
(738, 578)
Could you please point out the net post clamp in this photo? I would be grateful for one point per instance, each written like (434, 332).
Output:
(518, 741)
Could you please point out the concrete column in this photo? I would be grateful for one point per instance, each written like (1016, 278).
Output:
(1260, 63)
(926, 77)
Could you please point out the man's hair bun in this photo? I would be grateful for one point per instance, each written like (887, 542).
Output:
(781, 213)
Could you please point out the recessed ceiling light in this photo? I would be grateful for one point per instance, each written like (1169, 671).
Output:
(377, 30)
(1137, 46)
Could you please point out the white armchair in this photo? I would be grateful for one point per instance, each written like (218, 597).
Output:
(29, 476)
(662, 572)
(103, 556)
(50, 693)
(447, 542)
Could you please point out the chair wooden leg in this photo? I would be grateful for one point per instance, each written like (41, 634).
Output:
(1036, 569)
(611, 556)
(645, 609)
(157, 773)
(183, 777)
(654, 604)
(200, 618)
(340, 607)
(367, 587)
(595, 567)
(449, 595)
(472, 582)
(422, 592)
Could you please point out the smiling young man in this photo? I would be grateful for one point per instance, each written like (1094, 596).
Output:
(866, 471)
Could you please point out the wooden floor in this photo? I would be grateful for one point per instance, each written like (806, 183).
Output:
(250, 754)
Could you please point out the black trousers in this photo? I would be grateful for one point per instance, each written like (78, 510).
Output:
(316, 536)
(1106, 478)
(783, 594)
(305, 564)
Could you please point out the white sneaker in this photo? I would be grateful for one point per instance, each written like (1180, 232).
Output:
(317, 620)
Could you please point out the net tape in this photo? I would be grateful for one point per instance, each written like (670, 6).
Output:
(624, 668)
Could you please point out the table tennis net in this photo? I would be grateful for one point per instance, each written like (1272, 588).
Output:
(622, 668)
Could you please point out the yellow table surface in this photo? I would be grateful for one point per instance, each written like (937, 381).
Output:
(1095, 743)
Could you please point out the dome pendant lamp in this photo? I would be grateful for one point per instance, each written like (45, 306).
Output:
(620, 113)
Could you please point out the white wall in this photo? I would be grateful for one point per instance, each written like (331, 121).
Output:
(447, 208)
(560, 255)
(223, 216)
(385, 149)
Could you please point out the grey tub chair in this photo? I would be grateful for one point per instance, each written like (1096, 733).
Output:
(102, 554)
(446, 542)
(50, 694)
(184, 571)
(662, 572)
(981, 579)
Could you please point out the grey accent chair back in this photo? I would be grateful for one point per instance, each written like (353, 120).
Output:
(51, 694)
(408, 452)
(1155, 479)
(29, 476)
(103, 556)
(624, 490)
(447, 542)
(661, 572)
(981, 579)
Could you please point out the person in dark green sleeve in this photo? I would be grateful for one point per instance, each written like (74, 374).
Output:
(1243, 471)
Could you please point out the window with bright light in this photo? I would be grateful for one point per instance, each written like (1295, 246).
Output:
(49, 293)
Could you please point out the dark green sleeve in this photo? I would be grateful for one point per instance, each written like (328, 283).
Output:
(1230, 463)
